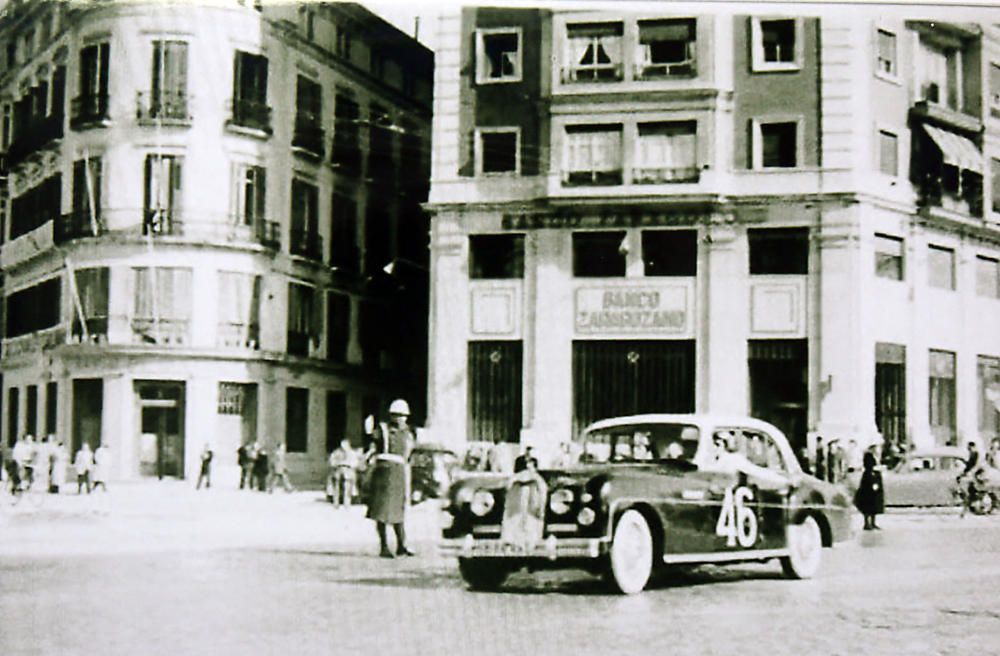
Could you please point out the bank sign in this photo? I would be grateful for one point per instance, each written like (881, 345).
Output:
(608, 310)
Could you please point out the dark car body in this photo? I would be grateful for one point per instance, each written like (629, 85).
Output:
(685, 499)
(431, 471)
(432, 468)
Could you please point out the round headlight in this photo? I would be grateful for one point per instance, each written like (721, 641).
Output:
(560, 500)
(586, 517)
(482, 503)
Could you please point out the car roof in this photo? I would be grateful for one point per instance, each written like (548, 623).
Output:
(701, 420)
(939, 452)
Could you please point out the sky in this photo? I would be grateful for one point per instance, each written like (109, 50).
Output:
(402, 14)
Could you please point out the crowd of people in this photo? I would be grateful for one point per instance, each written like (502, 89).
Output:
(260, 469)
(43, 465)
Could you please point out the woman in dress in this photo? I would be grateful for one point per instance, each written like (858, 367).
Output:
(870, 497)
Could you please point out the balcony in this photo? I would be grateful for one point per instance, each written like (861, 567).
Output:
(162, 108)
(308, 137)
(346, 158)
(268, 234)
(681, 69)
(307, 243)
(592, 178)
(97, 331)
(163, 331)
(34, 137)
(594, 73)
(956, 193)
(76, 225)
(89, 111)
(162, 222)
(662, 175)
(33, 342)
(298, 343)
(251, 114)
(239, 335)
(931, 110)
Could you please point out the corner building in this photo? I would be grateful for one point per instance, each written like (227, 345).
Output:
(199, 202)
(791, 216)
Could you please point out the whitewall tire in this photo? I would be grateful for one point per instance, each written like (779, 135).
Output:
(805, 549)
(631, 557)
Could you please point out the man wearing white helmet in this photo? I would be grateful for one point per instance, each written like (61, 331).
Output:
(387, 503)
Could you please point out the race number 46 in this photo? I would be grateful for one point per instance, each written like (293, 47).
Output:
(737, 522)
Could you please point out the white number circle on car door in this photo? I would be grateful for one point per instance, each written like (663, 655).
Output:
(737, 521)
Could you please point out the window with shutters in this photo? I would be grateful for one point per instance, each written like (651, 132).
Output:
(91, 304)
(85, 218)
(888, 257)
(308, 135)
(344, 250)
(498, 55)
(167, 99)
(593, 155)
(162, 197)
(346, 156)
(239, 310)
(250, 108)
(667, 48)
(885, 55)
(250, 194)
(305, 323)
(90, 107)
(988, 373)
(161, 312)
(304, 233)
(942, 397)
(888, 153)
(666, 152)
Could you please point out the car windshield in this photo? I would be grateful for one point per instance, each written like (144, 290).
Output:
(640, 443)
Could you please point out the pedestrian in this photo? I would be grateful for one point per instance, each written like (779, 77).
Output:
(102, 467)
(23, 454)
(993, 455)
(803, 456)
(42, 463)
(260, 467)
(244, 457)
(526, 460)
(279, 470)
(205, 474)
(392, 443)
(343, 461)
(820, 470)
(83, 463)
(870, 496)
(59, 460)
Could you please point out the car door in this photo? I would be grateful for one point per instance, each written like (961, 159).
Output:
(770, 481)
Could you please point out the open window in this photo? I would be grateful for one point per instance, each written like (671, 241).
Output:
(498, 55)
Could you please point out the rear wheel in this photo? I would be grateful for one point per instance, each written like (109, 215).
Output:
(482, 574)
(805, 547)
(631, 557)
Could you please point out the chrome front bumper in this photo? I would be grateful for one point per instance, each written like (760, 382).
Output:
(551, 548)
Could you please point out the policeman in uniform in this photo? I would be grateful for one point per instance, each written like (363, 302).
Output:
(389, 482)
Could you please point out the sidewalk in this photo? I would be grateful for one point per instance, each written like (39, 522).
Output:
(171, 515)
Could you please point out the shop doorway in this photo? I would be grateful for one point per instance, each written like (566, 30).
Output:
(615, 378)
(890, 394)
(88, 406)
(161, 428)
(779, 387)
(495, 383)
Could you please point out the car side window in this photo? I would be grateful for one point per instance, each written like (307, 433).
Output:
(762, 451)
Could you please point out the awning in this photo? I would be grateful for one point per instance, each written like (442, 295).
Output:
(957, 150)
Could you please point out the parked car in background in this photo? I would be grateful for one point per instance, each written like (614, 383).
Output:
(923, 477)
(648, 492)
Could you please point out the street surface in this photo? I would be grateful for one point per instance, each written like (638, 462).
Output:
(160, 569)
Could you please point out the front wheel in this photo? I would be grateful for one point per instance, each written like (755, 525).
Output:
(631, 557)
(805, 549)
(482, 574)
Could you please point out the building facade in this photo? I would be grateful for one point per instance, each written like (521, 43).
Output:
(791, 216)
(199, 202)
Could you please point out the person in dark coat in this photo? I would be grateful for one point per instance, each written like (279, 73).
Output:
(261, 468)
(870, 497)
(392, 444)
(525, 460)
(245, 459)
(205, 474)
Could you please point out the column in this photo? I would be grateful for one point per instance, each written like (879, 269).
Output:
(723, 307)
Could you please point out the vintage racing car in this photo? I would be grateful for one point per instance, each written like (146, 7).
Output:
(647, 492)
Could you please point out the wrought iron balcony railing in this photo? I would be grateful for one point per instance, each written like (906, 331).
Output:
(309, 137)
(251, 114)
(239, 335)
(88, 110)
(163, 106)
(77, 225)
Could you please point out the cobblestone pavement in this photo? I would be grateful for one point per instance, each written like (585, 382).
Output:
(159, 569)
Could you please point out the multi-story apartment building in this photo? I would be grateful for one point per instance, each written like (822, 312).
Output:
(781, 215)
(199, 202)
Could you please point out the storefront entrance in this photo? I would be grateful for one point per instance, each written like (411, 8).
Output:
(161, 430)
(88, 407)
(614, 378)
(779, 388)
